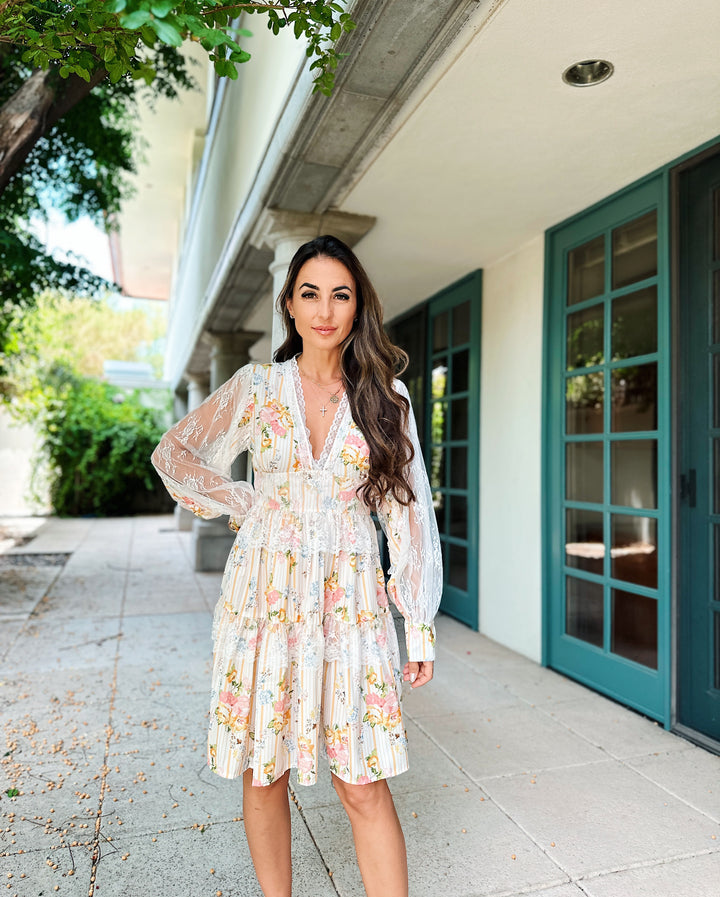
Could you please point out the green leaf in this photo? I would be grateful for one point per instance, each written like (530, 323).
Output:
(166, 32)
(116, 5)
(336, 31)
(161, 8)
(239, 56)
(136, 19)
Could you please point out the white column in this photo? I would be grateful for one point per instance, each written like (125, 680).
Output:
(229, 352)
(285, 231)
(198, 389)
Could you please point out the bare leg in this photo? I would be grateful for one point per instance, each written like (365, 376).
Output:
(266, 814)
(379, 840)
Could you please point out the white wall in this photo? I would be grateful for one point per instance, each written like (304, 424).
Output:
(18, 443)
(251, 108)
(510, 450)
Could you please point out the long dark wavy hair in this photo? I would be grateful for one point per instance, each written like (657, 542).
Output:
(369, 361)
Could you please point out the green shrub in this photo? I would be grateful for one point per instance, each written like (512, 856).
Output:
(98, 442)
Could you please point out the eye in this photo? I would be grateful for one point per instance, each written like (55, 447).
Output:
(309, 294)
(343, 297)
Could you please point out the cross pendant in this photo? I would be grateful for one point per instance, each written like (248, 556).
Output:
(323, 410)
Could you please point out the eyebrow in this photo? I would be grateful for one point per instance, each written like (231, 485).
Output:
(313, 287)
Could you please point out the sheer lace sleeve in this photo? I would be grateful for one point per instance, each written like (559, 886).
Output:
(194, 457)
(416, 576)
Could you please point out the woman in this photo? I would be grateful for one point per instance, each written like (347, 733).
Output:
(306, 656)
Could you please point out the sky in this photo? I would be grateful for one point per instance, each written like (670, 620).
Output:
(82, 238)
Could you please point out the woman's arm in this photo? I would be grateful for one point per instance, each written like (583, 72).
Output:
(416, 576)
(194, 457)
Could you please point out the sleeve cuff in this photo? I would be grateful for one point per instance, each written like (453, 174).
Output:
(420, 641)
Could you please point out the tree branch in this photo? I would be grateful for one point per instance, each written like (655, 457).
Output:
(32, 111)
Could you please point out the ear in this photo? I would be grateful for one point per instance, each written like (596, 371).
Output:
(289, 305)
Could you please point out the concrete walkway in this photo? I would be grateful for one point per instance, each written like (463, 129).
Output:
(521, 781)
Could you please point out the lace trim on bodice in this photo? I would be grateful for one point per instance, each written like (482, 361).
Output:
(337, 419)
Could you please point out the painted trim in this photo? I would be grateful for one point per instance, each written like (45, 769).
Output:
(667, 176)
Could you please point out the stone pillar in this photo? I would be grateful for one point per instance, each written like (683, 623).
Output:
(229, 352)
(212, 539)
(284, 231)
(198, 389)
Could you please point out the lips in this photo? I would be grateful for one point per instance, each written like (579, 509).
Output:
(325, 330)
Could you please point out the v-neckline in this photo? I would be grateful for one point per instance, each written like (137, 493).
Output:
(332, 433)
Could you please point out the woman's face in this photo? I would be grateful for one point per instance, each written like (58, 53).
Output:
(323, 303)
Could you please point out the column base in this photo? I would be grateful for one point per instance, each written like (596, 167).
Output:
(183, 519)
(211, 544)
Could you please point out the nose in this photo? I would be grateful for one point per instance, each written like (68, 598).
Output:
(324, 311)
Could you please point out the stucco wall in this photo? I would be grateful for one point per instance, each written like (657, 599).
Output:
(510, 451)
(18, 443)
(250, 110)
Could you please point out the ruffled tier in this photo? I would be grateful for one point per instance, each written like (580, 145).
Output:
(286, 693)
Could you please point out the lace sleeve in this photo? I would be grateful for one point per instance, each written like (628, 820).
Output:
(194, 457)
(416, 576)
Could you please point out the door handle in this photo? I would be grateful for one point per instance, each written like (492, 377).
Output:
(688, 487)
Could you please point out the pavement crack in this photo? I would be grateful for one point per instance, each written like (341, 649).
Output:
(99, 839)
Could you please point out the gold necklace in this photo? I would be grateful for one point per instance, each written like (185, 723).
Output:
(333, 396)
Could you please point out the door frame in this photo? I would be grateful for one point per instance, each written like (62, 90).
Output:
(468, 288)
(669, 172)
(675, 172)
(643, 688)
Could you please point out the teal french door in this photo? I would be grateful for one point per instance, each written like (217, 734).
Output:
(698, 692)
(452, 437)
(606, 449)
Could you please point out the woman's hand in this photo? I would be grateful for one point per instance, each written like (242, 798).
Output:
(418, 672)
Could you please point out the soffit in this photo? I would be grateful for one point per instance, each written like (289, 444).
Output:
(499, 148)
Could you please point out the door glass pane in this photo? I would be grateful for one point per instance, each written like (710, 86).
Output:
(584, 471)
(584, 403)
(716, 390)
(584, 540)
(459, 425)
(438, 422)
(716, 224)
(457, 573)
(584, 610)
(633, 473)
(439, 379)
(634, 627)
(460, 362)
(716, 659)
(634, 398)
(440, 332)
(440, 506)
(461, 324)
(458, 467)
(716, 476)
(716, 307)
(634, 549)
(458, 516)
(634, 324)
(437, 467)
(586, 271)
(634, 250)
(716, 560)
(585, 337)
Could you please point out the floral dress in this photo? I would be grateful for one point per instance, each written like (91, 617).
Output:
(306, 658)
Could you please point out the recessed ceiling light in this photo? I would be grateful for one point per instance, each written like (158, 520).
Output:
(588, 72)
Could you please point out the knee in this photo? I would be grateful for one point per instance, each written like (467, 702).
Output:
(363, 800)
(262, 795)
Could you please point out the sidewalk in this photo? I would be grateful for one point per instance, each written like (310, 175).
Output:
(521, 781)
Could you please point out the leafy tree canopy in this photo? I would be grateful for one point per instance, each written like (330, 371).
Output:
(81, 36)
(71, 74)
